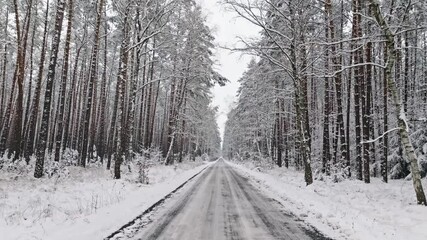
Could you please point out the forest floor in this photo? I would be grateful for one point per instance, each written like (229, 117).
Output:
(85, 204)
(346, 210)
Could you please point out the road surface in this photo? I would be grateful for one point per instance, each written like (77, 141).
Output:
(222, 205)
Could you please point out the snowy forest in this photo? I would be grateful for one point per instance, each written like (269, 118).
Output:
(213, 119)
(103, 81)
(336, 88)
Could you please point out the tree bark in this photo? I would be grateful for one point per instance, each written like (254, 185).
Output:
(121, 82)
(358, 80)
(44, 129)
(63, 87)
(92, 77)
(15, 133)
(31, 133)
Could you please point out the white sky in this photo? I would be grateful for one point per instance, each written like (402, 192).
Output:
(227, 27)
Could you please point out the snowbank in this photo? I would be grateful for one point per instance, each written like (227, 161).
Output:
(347, 210)
(88, 204)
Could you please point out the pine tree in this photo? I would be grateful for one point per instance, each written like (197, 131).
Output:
(44, 129)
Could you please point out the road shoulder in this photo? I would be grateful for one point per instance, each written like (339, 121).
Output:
(104, 222)
(346, 210)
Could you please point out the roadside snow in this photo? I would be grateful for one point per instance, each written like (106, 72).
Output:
(88, 204)
(347, 210)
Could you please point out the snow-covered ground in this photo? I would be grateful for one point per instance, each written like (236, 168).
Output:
(87, 204)
(349, 209)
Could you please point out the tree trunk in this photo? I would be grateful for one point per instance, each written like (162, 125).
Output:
(31, 133)
(384, 160)
(278, 125)
(150, 113)
(103, 111)
(326, 154)
(15, 133)
(367, 114)
(358, 80)
(4, 76)
(63, 87)
(92, 78)
(400, 113)
(121, 82)
(44, 129)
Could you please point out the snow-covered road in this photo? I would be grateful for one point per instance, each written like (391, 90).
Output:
(221, 204)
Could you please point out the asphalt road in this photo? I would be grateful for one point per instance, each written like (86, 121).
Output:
(221, 205)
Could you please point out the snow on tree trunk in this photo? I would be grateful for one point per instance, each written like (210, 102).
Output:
(400, 111)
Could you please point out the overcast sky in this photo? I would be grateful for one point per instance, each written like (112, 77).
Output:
(227, 27)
